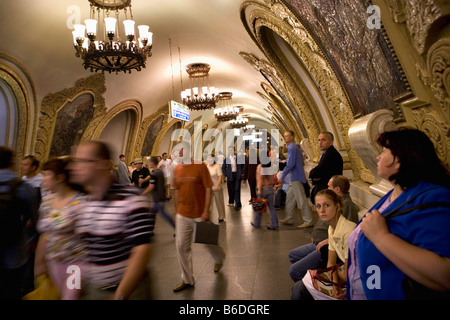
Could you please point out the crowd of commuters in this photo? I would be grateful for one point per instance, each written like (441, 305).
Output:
(398, 250)
(78, 210)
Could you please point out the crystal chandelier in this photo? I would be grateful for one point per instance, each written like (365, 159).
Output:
(226, 112)
(198, 75)
(103, 49)
(239, 122)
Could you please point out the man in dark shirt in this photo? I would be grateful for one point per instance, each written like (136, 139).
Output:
(141, 175)
(157, 188)
(251, 162)
(330, 164)
(233, 168)
(19, 203)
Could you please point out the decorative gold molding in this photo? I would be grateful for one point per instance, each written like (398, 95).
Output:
(26, 103)
(135, 107)
(275, 15)
(280, 108)
(427, 119)
(424, 21)
(52, 103)
(166, 126)
(438, 65)
(278, 89)
(420, 16)
(22, 112)
(163, 110)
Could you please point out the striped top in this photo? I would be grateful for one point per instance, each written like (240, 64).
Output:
(111, 228)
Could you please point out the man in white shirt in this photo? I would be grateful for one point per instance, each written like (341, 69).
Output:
(166, 166)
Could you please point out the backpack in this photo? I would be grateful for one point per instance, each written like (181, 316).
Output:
(11, 224)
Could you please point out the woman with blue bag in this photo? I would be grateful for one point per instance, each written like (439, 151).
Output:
(400, 248)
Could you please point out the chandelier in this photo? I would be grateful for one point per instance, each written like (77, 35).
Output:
(103, 49)
(239, 122)
(226, 112)
(200, 96)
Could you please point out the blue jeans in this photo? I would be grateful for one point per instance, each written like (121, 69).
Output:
(302, 259)
(159, 206)
(267, 193)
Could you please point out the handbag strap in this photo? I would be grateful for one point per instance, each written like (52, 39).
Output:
(332, 269)
(395, 212)
(419, 206)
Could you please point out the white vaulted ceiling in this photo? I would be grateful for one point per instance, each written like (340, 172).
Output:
(37, 35)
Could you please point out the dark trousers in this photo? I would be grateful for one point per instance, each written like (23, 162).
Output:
(315, 190)
(252, 185)
(300, 292)
(234, 190)
(280, 198)
(11, 283)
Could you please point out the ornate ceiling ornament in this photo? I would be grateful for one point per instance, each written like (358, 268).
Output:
(199, 96)
(111, 53)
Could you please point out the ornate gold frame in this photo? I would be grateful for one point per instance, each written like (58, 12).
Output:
(52, 103)
(163, 110)
(136, 109)
(24, 99)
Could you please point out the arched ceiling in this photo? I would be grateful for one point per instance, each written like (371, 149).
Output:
(37, 35)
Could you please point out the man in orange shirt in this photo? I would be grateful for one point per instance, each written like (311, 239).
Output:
(192, 184)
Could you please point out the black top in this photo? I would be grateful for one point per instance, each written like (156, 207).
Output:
(143, 173)
(158, 180)
(330, 164)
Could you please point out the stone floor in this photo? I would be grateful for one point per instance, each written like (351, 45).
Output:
(256, 265)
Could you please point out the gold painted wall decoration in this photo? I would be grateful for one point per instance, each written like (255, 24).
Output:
(151, 134)
(257, 17)
(162, 113)
(52, 104)
(134, 107)
(71, 122)
(426, 28)
(20, 88)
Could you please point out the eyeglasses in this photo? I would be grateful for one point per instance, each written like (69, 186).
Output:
(80, 160)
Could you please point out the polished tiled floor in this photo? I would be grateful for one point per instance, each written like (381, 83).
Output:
(256, 265)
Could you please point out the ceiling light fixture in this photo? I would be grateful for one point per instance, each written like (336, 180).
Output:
(227, 111)
(103, 49)
(239, 122)
(200, 96)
